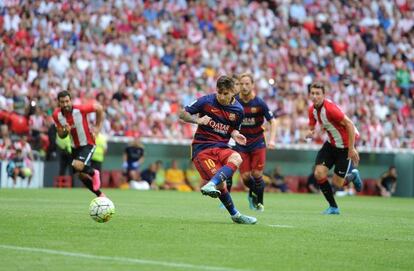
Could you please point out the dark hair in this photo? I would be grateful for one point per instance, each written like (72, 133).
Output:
(235, 77)
(225, 82)
(318, 85)
(63, 93)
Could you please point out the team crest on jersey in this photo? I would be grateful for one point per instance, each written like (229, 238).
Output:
(254, 109)
(232, 116)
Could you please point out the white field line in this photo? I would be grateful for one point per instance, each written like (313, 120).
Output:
(280, 226)
(117, 259)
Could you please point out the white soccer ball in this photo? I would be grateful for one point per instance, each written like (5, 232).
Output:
(101, 209)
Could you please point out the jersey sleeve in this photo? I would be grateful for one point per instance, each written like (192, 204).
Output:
(312, 120)
(266, 112)
(87, 108)
(196, 106)
(335, 113)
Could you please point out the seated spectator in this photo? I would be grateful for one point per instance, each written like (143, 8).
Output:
(387, 184)
(175, 178)
(160, 175)
(132, 160)
(149, 174)
(193, 177)
(277, 182)
(19, 166)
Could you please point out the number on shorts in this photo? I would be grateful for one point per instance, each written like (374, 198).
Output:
(210, 164)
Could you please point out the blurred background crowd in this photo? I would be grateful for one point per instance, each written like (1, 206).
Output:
(144, 59)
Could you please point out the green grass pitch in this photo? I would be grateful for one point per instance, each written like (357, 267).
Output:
(50, 229)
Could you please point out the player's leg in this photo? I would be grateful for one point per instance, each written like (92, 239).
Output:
(247, 179)
(81, 164)
(86, 180)
(351, 173)
(258, 162)
(229, 184)
(324, 161)
(85, 155)
(231, 160)
(208, 171)
(345, 173)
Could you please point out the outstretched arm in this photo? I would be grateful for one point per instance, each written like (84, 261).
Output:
(187, 117)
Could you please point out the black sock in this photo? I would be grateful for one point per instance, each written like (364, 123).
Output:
(327, 192)
(251, 185)
(260, 185)
(88, 183)
(88, 170)
(229, 183)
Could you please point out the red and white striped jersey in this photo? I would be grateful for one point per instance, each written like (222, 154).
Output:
(329, 116)
(77, 119)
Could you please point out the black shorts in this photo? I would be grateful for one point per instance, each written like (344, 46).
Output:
(330, 156)
(83, 153)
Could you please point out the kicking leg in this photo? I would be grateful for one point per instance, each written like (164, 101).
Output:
(224, 173)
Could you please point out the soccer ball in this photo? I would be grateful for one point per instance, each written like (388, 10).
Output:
(101, 209)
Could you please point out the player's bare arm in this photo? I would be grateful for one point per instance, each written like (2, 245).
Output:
(352, 152)
(272, 138)
(187, 117)
(238, 137)
(100, 114)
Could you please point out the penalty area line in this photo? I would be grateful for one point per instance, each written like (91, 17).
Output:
(280, 226)
(117, 259)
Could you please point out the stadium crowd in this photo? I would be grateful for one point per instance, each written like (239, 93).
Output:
(144, 59)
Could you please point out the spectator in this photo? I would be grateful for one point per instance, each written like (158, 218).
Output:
(19, 166)
(155, 57)
(387, 184)
(192, 176)
(133, 158)
(175, 178)
(160, 175)
(149, 174)
(64, 151)
(277, 181)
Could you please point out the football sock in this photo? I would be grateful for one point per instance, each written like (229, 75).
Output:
(88, 170)
(224, 173)
(229, 183)
(250, 183)
(328, 193)
(88, 183)
(260, 185)
(227, 201)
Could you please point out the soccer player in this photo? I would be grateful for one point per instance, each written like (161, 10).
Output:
(254, 152)
(72, 119)
(338, 151)
(218, 117)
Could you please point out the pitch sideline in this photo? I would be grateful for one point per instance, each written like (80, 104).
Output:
(117, 259)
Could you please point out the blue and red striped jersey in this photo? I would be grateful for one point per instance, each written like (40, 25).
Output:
(255, 111)
(224, 120)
